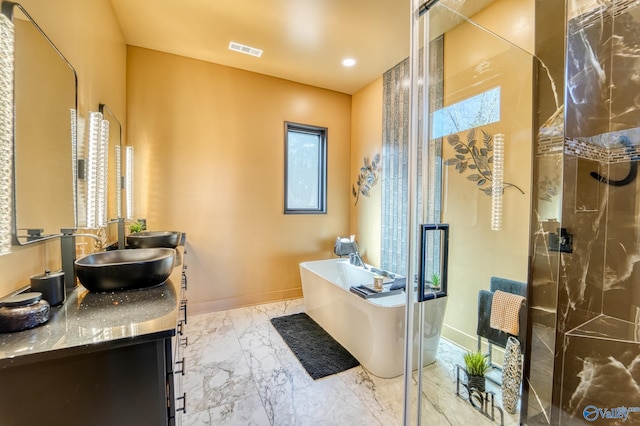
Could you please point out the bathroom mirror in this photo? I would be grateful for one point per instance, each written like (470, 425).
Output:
(114, 181)
(45, 102)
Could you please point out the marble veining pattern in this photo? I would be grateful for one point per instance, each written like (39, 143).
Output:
(240, 372)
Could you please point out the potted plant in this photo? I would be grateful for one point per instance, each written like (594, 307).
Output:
(136, 227)
(477, 366)
(435, 281)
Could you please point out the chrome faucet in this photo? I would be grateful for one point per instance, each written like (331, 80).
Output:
(356, 260)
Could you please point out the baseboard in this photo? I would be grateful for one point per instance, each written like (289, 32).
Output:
(244, 300)
(469, 342)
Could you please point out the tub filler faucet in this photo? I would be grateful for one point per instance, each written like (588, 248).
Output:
(356, 260)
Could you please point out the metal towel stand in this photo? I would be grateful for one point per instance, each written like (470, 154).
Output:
(484, 330)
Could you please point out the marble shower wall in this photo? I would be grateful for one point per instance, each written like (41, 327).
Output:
(602, 134)
(538, 384)
(585, 295)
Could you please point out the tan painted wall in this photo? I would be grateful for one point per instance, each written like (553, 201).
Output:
(476, 252)
(468, 210)
(89, 35)
(366, 141)
(210, 144)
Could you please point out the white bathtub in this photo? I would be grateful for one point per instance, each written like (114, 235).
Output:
(371, 329)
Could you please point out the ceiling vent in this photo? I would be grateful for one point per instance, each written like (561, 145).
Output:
(248, 50)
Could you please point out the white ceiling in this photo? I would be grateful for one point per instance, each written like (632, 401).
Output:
(303, 40)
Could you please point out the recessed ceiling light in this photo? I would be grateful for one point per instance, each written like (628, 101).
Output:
(348, 62)
(243, 48)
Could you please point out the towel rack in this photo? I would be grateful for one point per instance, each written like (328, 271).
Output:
(485, 299)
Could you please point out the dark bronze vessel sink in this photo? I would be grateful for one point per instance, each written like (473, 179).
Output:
(148, 239)
(125, 269)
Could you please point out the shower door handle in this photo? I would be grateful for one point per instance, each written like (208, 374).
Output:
(443, 228)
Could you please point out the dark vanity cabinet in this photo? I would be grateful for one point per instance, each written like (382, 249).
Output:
(101, 359)
(176, 361)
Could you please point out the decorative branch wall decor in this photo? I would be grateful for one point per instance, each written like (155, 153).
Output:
(367, 178)
(477, 159)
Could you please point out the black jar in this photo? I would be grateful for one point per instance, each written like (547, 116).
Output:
(23, 311)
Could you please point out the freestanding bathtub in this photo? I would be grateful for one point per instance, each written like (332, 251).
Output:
(371, 329)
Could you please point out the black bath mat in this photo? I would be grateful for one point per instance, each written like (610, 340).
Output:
(316, 350)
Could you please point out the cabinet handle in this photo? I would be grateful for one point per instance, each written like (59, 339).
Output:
(184, 403)
(184, 342)
(184, 281)
(183, 367)
(183, 308)
(180, 328)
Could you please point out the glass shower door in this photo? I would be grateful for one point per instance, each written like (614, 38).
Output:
(470, 175)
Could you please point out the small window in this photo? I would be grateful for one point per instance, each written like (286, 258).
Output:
(305, 169)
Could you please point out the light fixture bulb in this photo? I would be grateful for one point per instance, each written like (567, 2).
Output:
(129, 181)
(6, 132)
(497, 182)
(348, 62)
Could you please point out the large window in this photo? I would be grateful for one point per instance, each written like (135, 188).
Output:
(305, 169)
(475, 111)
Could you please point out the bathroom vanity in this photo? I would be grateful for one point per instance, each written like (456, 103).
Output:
(101, 359)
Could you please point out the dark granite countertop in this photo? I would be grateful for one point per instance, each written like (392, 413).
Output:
(88, 322)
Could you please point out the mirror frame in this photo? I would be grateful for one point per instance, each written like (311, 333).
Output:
(8, 8)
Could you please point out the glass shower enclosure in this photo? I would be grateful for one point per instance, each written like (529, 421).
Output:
(469, 173)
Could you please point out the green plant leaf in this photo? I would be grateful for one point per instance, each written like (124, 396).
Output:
(476, 363)
(460, 156)
(473, 166)
(481, 182)
(135, 227)
(486, 173)
(472, 143)
(462, 150)
(474, 177)
(483, 152)
(475, 151)
(487, 191)
(463, 167)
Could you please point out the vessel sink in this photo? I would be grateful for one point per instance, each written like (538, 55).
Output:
(125, 269)
(148, 239)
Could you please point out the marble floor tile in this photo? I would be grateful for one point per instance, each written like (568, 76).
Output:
(208, 321)
(384, 397)
(327, 401)
(243, 412)
(216, 369)
(252, 316)
(242, 372)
